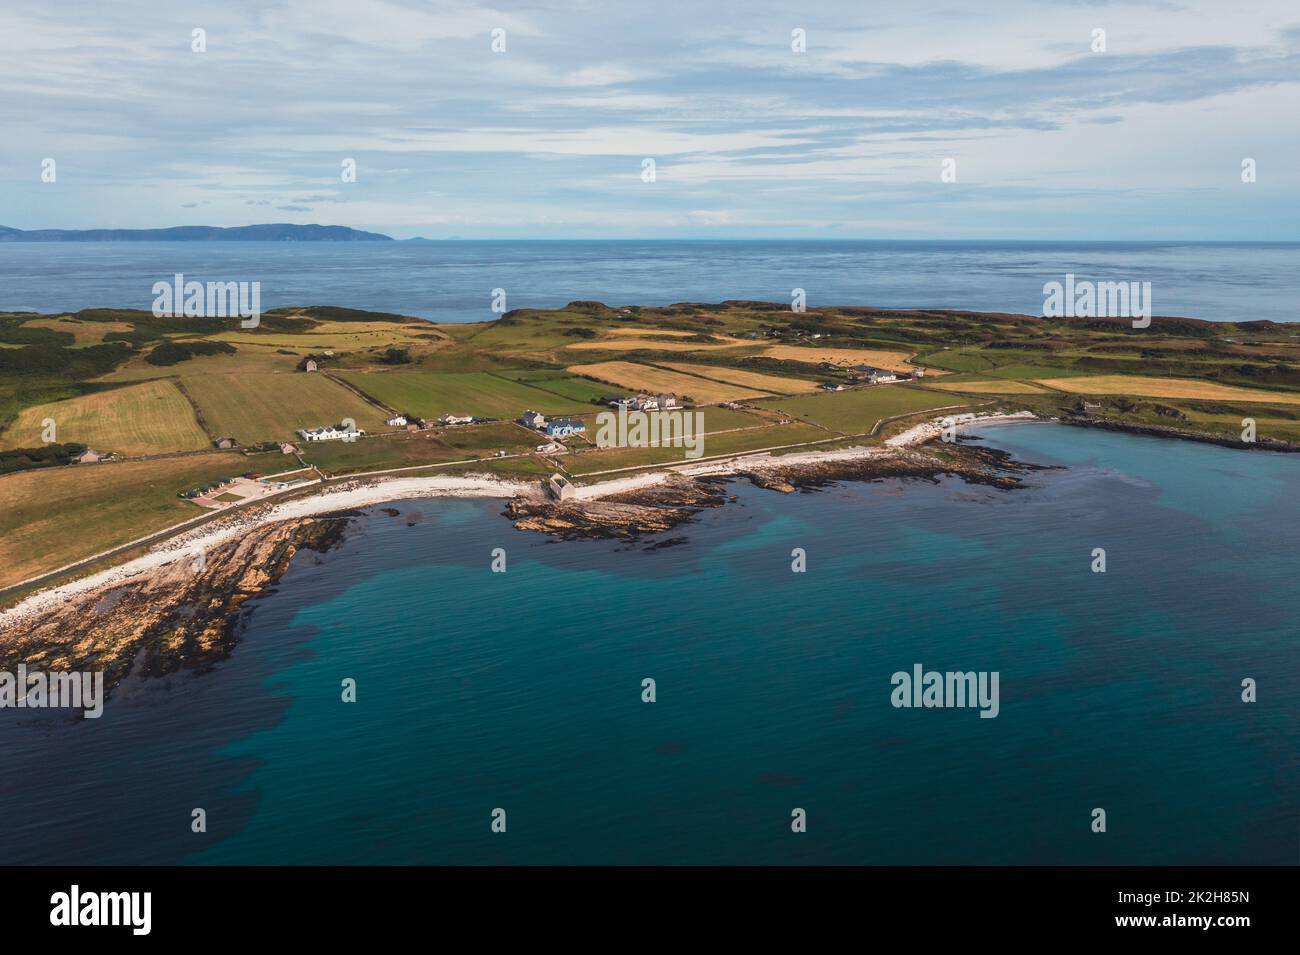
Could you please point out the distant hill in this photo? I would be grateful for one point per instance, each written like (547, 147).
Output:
(274, 232)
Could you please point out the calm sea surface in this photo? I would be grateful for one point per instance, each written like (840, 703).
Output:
(522, 690)
(452, 281)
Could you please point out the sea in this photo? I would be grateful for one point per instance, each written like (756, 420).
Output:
(1163, 691)
(454, 281)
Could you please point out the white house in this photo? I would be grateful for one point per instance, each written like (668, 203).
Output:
(456, 419)
(396, 421)
(330, 433)
(533, 419)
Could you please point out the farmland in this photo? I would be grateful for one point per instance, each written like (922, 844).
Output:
(773, 384)
(432, 394)
(636, 377)
(124, 395)
(149, 418)
(1167, 388)
(988, 386)
(891, 360)
(271, 407)
(857, 411)
(58, 516)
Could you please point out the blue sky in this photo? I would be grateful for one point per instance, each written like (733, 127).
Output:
(750, 139)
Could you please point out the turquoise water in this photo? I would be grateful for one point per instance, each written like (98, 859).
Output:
(522, 690)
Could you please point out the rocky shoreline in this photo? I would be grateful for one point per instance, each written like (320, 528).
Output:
(636, 513)
(181, 616)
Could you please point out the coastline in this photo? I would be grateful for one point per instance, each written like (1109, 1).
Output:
(177, 606)
(371, 492)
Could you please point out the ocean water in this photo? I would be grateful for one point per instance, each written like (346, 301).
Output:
(452, 281)
(522, 690)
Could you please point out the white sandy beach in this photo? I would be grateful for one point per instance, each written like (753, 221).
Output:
(375, 491)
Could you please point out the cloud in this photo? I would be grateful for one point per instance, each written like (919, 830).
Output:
(548, 137)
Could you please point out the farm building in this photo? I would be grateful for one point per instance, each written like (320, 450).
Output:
(653, 402)
(456, 419)
(874, 376)
(396, 421)
(89, 456)
(533, 419)
(560, 487)
(225, 443)
(832, 386)
(309, 365)
(330, 433)
(287, 448)
(564, 426)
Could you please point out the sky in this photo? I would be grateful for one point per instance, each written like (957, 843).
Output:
(1045, 136)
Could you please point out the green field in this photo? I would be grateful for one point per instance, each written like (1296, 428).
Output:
(271, 407)
(856, 411)
(432, 394)
(373, 454)
(149, 418)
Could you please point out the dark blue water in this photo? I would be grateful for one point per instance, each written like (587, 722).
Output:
(522, 690)
(453, 280)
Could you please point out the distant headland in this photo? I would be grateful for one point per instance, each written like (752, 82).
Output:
(273, 232)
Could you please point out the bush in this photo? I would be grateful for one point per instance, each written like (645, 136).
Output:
(172, 353)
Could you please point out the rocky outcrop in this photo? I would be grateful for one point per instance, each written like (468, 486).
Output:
(172, 618)
(630, 514)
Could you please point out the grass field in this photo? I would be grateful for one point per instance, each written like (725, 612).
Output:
(373, 454)
(148, 418)
(338, 337)
(986, 386)
(1148, 387)
(257, 406)
(85, 333)
(858, 410)
(635, 377)
(55, 517)
(892, 360)
(558, 383)
(774, 384)
(432, 394)
(670, 332)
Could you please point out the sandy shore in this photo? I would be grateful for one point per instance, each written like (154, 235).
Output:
(368, 493)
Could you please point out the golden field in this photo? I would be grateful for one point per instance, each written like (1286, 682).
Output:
(148, 418)
(634, 377)
(748, 379)
(1151, 387)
